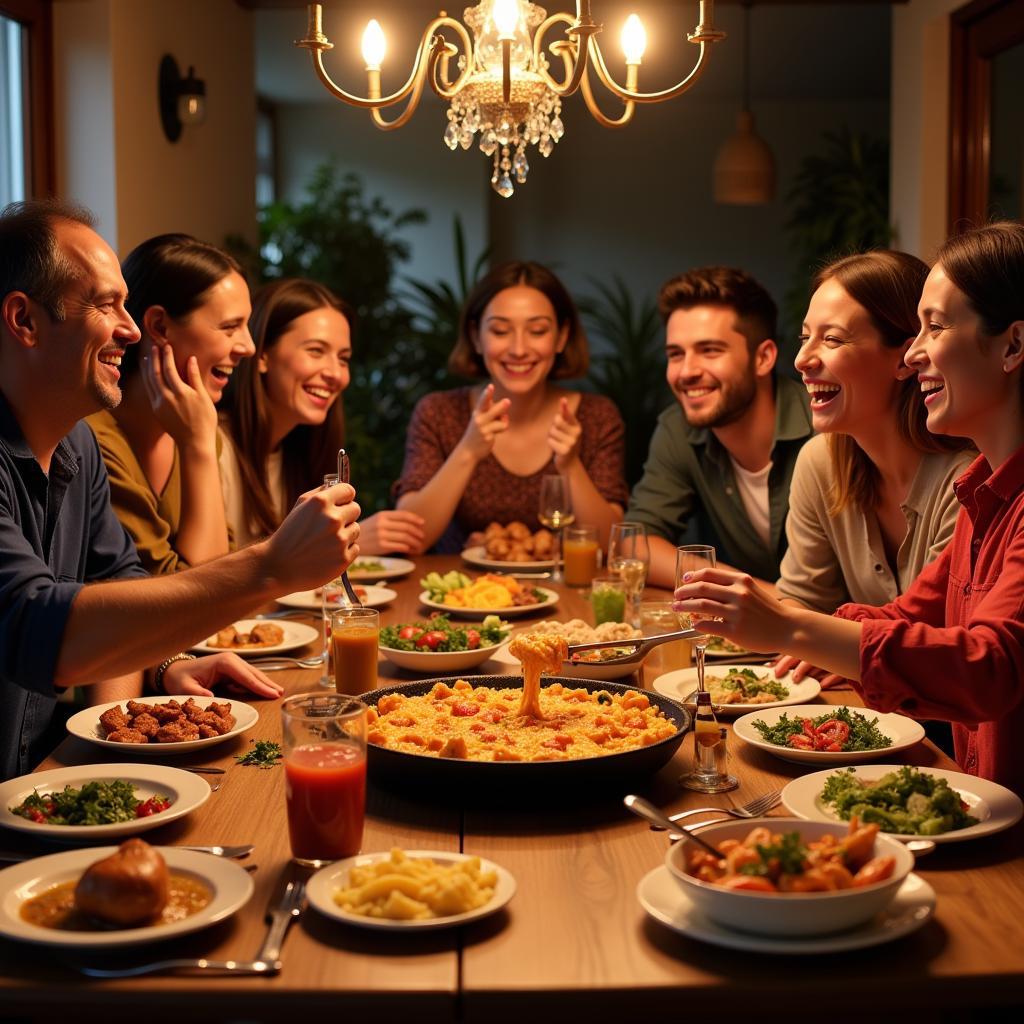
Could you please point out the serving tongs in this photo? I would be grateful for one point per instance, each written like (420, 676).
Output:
(343, 478)
(640, 646)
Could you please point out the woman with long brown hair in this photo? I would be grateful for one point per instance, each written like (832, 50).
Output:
(284, 420)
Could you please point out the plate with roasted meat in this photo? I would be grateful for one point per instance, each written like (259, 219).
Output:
(154, 726)
(259, 636)
(514, 547)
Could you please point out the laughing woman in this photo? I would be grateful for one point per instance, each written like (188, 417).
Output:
(284, 421)
(952, 646)
(191, 303)
(478, 454)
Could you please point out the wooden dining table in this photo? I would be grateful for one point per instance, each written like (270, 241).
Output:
(574, 943)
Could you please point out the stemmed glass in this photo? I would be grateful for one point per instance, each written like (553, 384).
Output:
(629, 558)
(690, 558)
(555, 512)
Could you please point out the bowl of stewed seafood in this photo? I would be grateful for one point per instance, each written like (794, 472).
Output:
(787, 876)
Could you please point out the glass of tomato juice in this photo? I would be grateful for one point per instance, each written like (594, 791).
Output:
(355, 635)
(325, 775)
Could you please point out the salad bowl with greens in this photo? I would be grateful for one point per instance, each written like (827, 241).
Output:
(436, 645)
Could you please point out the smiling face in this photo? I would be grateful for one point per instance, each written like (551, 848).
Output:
(960, 368)
(851, 374)
(83, 351)
(216, 333)
(307, 368)
(710, 368)
(519, 338)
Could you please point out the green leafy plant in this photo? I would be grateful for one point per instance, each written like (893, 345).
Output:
(839, 205)
(627, 362)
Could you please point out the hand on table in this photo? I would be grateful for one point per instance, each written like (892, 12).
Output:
(197, 678)
(184, 408)
(564, 436)
(390, 531)
(802, 669)
(489, 419)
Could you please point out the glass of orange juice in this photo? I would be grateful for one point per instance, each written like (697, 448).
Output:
(324, 749)
(582, 554)
(355, 633)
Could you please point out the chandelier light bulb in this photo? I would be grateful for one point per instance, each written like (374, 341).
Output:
(374, 45)
(506, 17)
(634, 39)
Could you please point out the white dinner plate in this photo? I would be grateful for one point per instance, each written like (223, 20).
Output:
(711, 653)
(664, 899)
(185, 791)
(550, 599)
(393, 568)
(86, 725)
(572, 669)
(230, 883)
(477, 556)
(904, 732)
(296, 634)
(682, 684)
(432, 663)
(372, 597)
(321, 887)
(995, 806)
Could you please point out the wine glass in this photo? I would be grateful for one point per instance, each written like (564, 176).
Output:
(555, 512)
(629, 558)
(690, 558)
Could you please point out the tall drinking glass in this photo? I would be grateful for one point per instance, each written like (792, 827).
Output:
(324, 746)
(629, 558)
(555, 512)
(355, 638)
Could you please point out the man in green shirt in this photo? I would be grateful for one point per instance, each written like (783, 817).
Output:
(723, 456)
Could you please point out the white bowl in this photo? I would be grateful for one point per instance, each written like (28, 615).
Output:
(783, 913)
(439, 662)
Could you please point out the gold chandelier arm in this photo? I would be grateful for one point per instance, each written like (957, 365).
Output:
(442, 55)
(627, 95)
(602, 119)
(576, 63)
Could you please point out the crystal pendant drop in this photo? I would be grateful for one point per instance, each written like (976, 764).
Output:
(488, 142)
(521, 166)
(557, 128)
(465, 137)
(503, 186)
(546, 145)
(472, 121)
(451, 136)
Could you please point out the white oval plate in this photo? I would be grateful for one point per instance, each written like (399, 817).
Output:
(185, 791)
(743, 652)
(904, 732)
(433, 662)
(296, 634)
(573, 669)
(86, 725)
(478, 556)
(550, 599)
(393, 569)
(372, 597)
(995, 806)
(681, 685)
(664, 899)
(231, 884)
(321, 887)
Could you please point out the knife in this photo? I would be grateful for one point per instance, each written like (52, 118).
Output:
(287, 909)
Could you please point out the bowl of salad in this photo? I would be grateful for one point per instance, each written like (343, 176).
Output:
(436, 645)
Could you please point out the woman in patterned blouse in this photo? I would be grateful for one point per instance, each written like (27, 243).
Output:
(477, 454)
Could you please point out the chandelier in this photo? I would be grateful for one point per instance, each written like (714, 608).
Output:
(503, 93)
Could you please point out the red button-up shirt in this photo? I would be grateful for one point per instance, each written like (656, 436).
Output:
(952, 646)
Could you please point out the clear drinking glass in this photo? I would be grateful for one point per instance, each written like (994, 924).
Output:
(355, 638)
(554, 510)
(690, 558)
(629, 558)
(582, 555)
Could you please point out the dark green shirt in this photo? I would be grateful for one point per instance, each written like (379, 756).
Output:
(688, 477)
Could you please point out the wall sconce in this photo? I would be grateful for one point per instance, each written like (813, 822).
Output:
(182, 99)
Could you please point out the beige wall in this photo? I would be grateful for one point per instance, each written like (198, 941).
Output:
(919, 186)
(111, 151)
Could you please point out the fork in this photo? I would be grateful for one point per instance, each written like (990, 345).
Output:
(273, 664)
(754, 809)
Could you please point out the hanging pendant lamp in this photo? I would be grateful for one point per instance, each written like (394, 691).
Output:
(744, 170)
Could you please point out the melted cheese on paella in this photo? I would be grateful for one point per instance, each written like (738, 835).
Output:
(537, 653)
(484, 724)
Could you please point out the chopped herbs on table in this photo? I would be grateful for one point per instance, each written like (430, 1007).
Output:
(264, 754)
(839, 730)
(96, 803)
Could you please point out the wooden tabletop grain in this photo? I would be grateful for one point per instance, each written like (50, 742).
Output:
(574, 939)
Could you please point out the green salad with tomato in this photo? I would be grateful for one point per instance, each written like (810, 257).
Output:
(96, 803)
(437, 634)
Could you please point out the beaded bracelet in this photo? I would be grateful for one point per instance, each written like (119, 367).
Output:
(158, 676)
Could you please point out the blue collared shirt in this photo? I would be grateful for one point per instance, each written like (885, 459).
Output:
(57, 532)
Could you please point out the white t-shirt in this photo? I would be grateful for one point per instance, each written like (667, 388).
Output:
(753, 488)
(232, 485)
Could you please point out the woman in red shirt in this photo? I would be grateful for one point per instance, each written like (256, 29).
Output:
(952, 646)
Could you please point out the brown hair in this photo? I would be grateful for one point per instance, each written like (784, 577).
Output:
(307, 452)
(31, 260)
(571, 362)
(729, 287)
(888, 285)
(174, 271)
(987, 265)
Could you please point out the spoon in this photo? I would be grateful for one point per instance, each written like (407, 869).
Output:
(645, 809)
